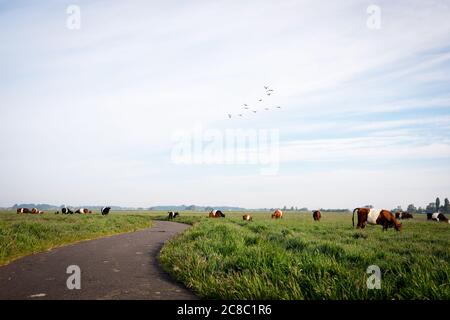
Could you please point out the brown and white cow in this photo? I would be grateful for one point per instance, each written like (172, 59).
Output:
(437, 216)
(83, 210)
(247, 217)
(376, 216)
(277, 214)
(216, 214)
(317, 215)
(23, 210)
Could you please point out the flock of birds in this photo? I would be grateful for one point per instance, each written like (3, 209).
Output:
(268, 93)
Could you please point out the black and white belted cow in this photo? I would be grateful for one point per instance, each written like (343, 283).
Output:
(66, 211)
(172, 215)
(105, 211)
(437, 216)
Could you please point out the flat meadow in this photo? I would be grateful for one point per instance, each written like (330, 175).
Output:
(298, 258)
(290, 258)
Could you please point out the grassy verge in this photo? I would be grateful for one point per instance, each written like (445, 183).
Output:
(21, 235)
(297, 258)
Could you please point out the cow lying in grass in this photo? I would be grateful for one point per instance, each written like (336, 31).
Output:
(172, 215)
(216, 214)
(23, 210)
(403, 215)
(247, 217)
(66, 211)
(105, 211)
(84, 211)
(375, 216)
(317, 215)
(36, 211)
(439, 217)
(277, 214)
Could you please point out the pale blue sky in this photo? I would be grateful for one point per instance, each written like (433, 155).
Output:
(88, 116)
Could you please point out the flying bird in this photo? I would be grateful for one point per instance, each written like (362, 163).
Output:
(229, 116)
(240, 114)
(269, 94)
(266, 87)
(279, 107)
(260, 100)
(246, 108)
(266, 108)
(254, 111)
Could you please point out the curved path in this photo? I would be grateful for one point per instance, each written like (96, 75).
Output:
(123, 266)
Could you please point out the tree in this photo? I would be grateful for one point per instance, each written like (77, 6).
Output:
(411, 208)
(438, 202)
(446, 206)
(431, 207)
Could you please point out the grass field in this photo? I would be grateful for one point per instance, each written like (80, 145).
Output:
(25, 234)
(297, 258)
(291, 258)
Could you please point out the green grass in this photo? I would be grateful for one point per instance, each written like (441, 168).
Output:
(297, 258)
(25, 234)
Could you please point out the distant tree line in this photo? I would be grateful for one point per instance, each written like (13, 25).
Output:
(432, 207)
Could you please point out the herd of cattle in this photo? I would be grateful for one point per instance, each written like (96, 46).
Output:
(104, 211)
(365, 216)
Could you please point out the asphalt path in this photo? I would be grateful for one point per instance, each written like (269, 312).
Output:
(122, 267)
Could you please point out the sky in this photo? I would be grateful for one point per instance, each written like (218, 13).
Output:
(98, 114)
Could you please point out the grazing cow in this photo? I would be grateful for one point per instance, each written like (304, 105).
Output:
(406, 215)
(66, 211)
(84, 211)
(57, 212)
(277, 214)
(317, 215)
(439, 217)
(23, 210)
(172, 215)
(247, 217)
(376, 216)
(105, 211)
(216, 214)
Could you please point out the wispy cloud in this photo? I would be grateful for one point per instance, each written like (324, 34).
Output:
(102, 103)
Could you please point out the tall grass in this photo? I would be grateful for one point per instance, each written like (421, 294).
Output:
(25, 234)
(297, 258)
